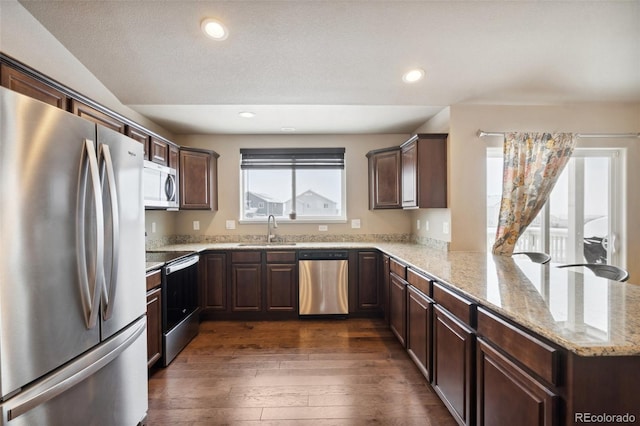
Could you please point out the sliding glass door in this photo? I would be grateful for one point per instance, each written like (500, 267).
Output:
(581, 220)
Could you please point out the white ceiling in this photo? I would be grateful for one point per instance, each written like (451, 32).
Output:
(336, 66)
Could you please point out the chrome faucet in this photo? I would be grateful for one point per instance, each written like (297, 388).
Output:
(271, 236)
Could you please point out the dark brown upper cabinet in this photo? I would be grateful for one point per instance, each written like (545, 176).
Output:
(20, 82)
(424, 171)
(90, 113)
(384, 178)
(198, 179)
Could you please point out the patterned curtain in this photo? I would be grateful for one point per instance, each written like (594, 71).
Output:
(532, 164)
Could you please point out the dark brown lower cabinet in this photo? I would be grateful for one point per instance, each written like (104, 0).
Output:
(385, 282)
(282, 288)
(507, 395)
(213, 278)
(419, 315)
(398, 307)
(368, 289)
(453, 365)
(154, 326)
(246, 291)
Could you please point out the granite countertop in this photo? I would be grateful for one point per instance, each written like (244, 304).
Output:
(587, 315)
(151, 266)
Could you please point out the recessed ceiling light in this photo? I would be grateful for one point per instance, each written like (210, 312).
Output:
(413, 75)
(214, 29)
(247, 114)
(287, 129)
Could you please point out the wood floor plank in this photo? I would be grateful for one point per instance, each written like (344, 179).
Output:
(310, 372)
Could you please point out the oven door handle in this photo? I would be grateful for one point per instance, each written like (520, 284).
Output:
(181, 264)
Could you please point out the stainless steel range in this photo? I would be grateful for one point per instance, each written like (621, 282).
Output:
(180, 308)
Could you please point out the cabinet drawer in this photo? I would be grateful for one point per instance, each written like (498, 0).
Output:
(281, 256)
(462, 308)
(399, 269)
(154, 279)
(530, 351)
(419, 281)
(246, 257)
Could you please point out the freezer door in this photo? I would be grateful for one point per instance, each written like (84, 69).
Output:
(44, 304)
(124, 298)
(107, 386)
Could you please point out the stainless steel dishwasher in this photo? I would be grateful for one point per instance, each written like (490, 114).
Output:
(323, 281)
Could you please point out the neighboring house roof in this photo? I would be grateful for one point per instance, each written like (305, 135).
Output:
(264, 197)
(312, 192)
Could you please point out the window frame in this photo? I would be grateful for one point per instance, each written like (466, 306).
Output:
(295, 191)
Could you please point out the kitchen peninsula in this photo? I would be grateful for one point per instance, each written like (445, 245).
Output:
(505, 337)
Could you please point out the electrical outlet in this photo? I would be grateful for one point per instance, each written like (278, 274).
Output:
(153, 227)
(445, 227)
(323, 228)
(231, 224)
(426, 225)
(196, 225)
(418, 224)
(355, 223)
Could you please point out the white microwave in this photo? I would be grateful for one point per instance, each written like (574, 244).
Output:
(160, 186)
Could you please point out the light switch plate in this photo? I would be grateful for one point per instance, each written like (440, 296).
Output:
(355, 223)
(231, 224)
(445, 227)
(153, 227)
(196, 225)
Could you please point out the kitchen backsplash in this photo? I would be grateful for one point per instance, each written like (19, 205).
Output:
(154, 243)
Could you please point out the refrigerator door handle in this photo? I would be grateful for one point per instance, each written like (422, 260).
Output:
(90, 301)
(106, 169)
(67, 377)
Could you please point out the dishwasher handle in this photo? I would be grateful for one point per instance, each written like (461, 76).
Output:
(181, 264)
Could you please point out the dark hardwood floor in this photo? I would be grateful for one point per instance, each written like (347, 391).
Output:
(309, 372)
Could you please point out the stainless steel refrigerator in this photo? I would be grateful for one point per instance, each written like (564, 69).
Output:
(72, 283)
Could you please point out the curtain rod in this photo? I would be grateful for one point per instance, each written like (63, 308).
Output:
(482, 133)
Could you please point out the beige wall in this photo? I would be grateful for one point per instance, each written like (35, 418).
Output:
(467, 155)
(356, 147)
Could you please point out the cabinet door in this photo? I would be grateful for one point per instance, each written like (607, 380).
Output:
(22, 83)
(386, 280)
(89, 113)
(385, 180)
(368, 289)
(424, 171)
(214, 282)
(398, 307)
(159, 151)
(154, 326)
(419, 313)
(140, 136)
(197, 180)
(410, 175)
(246, 289)
(453, 365)
(174, 157)
(509, 395)
(282, 287)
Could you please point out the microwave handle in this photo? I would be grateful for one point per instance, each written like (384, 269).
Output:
(170, 188)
